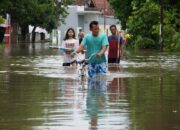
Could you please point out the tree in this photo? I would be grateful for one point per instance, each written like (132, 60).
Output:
(1, 20)
(171, 33)
(52, 13)
(42, 13)
(141, 21)
(60, 10)
(141, 18)
(122, 10)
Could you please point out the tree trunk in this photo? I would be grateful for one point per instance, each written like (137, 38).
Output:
(161, 40)
(14, 33)
(34, 34)
(24, 33)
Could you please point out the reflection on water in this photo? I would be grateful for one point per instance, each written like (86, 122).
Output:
(95, 107)
(37, 93)
(97, 83)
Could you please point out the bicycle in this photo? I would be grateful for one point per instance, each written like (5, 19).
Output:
(82, 69)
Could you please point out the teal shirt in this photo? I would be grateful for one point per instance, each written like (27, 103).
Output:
(94, 45)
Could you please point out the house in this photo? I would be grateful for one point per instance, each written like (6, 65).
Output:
(41, 34)
(82, 12)
(5, 30)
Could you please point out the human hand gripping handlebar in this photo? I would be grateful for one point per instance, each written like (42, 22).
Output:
(94, 55)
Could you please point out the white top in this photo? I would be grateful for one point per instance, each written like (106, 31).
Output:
(70, 44)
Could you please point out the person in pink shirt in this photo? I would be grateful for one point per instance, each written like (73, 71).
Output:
(70, 44)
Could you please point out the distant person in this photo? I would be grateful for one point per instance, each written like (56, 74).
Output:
(115, 46)
(70, 44)
(95, 43)
(80, 37)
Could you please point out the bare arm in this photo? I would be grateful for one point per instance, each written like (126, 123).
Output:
(103, 50)
(80, 49)
(121, 47)
(121, 50)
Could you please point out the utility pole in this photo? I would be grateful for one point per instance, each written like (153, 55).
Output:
(161, 40)
(104, 16)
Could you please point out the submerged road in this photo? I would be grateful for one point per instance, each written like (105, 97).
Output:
(37, 93)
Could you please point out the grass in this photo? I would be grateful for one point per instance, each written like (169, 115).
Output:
(2, 45)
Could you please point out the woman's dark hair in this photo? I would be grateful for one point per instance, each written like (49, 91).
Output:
(93, 23)
(67, 37)
(113, 26)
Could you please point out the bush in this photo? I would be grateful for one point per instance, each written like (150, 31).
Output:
(129, 42)
(145, 43)
(1, 20)
(176, 42)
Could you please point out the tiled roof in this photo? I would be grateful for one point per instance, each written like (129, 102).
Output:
(80, 2)
(102, 5)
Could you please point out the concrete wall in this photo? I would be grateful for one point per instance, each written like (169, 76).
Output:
(70, 22)
(108, 22)
(88, 19)
(81, 20)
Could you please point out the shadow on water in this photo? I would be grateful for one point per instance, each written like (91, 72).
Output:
(37, 93)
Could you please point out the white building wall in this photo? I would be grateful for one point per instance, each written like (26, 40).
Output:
(87, 19)
(70, 22)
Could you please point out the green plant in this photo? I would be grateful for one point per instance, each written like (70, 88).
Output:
(130, 43)
(142, 18)
(1, 20)
(145, 43)
(2, 45)
(47, 14)
(122, 10)
(176, 42)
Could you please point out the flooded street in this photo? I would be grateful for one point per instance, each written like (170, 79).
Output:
(37, 93)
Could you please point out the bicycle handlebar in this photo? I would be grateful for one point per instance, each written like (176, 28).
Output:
(92, 55)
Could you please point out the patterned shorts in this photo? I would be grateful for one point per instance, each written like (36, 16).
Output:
(97, 83)
(94, 69)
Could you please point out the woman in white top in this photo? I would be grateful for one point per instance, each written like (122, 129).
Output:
(70, 44)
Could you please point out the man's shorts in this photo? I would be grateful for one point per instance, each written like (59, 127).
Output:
(94, 69)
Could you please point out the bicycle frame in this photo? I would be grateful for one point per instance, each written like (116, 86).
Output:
(82, 69)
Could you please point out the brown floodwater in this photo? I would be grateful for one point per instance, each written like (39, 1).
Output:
(37, 93)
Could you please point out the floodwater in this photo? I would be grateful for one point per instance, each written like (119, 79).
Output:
(37, 93)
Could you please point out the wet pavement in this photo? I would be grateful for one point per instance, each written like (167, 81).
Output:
(37, 93)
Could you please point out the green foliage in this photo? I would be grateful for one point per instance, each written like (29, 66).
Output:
(2, 45)
(122, 10)
(43, 13)
(171, 40)
(141, 18)
(145, 43)
(1, 20)
(175, 44)
(61, 11)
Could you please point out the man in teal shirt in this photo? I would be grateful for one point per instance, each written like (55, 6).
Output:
(95, 43)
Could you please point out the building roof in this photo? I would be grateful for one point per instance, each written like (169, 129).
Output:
(80, 2)
(104, 6)
(101, 5)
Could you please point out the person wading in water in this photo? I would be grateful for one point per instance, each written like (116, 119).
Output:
(115, 46)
